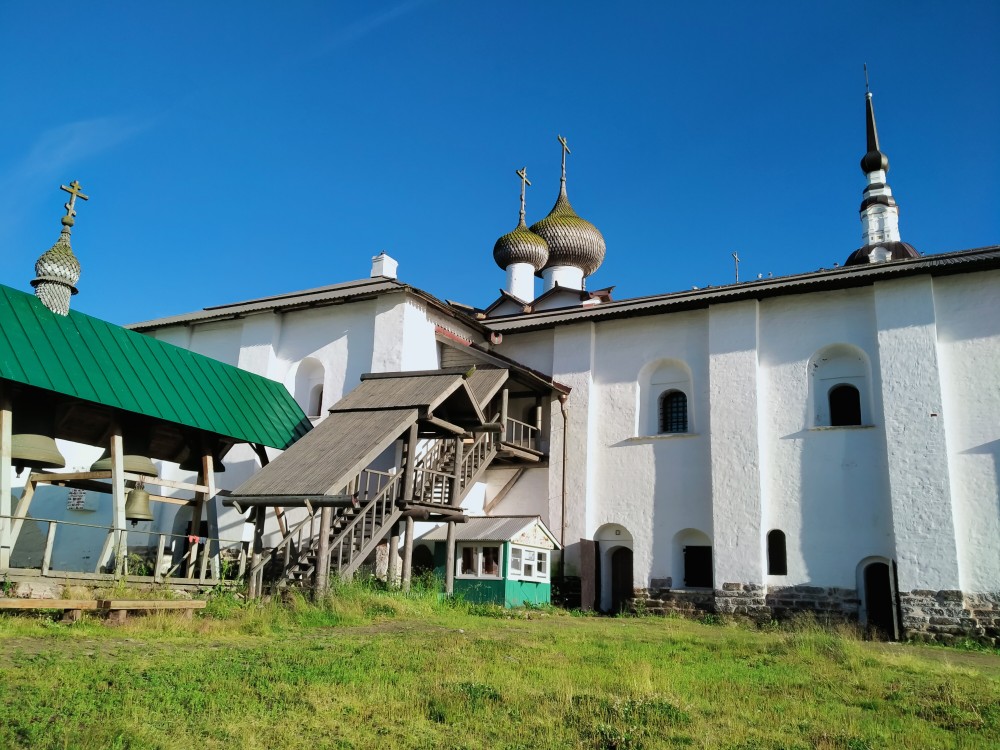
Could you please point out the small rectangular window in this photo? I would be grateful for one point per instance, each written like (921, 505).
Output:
(468, 561)
(491, 561)
(515, 561)
(529, 563)
(543, 565)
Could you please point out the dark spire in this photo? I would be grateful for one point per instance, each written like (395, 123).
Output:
(874, 159)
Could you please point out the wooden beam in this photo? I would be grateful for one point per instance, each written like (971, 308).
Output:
(63, 478)
(6, 541)
(256, 579)
(322, 576)
(392, 570)
(411, 461)
(444, 425)
(290, 501)
(118, 498)
(456, 482)
(408, 554)
(22, 511)
(449, 565)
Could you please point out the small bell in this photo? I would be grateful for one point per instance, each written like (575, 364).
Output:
(36, 452)
(137, 505)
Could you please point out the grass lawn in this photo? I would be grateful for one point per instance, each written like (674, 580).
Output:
(371, 669)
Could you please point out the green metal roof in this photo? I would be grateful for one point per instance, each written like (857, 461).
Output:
(91, 359)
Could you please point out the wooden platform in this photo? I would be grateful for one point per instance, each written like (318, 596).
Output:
(117, 609)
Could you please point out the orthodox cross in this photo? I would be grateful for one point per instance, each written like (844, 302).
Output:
(867, 90)
(74, 193)
(737, 259)
(523, 174)
(565, 150)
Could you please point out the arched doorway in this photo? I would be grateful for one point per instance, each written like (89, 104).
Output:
(621, 579)
(613, 569)
(878, 598)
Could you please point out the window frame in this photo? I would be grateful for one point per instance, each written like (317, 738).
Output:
(478, 559)
(518, 561)
(662, 418)
(844, 387)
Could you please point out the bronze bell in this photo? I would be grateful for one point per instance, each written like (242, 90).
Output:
(193, 463)
(36, 452)
(134, 464)
(137, 506)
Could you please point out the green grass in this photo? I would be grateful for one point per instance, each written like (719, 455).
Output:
(377, 669)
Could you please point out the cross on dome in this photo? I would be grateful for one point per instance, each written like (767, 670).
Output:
(74, 193)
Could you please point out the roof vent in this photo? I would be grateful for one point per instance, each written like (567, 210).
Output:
(383, 265)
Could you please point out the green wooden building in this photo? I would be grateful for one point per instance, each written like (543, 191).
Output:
(498, 559)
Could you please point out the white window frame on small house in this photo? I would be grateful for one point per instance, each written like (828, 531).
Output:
(529, 564)
(478, 557)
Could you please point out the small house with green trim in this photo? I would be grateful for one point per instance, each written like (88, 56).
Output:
(498, 559)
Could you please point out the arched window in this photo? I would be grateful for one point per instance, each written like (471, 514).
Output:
(308, 388)
(840, 387)
(777, 561)
(673, 412)
(845, 405)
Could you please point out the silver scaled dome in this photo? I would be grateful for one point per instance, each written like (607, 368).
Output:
(57, 271)
(572, 241)
(521, 246)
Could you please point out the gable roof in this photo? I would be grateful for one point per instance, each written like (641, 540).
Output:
(86, 358)
(489, 529)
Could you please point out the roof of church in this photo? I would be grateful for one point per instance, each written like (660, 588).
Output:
(349, 291)
(963, 261)
(86, 358)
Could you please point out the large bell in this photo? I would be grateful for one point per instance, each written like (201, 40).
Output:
(35, 451)
(137, 506)
(134, 464)
(193, 463)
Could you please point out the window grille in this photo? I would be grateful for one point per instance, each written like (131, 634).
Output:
(673, 412)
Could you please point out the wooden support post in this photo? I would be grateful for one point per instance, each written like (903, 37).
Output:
(256, 579)
(22, 510)
(6, 540)
(392, 571)
(118, 497)
(408, 554)
(456, 482)
(50, 539)
(323, 553)
(279, 513)
(449, 565)
(106, 550)
(204, 562)
(208, 472)
(158, 569)
(411, 464)
(504, 395)
(538, 414)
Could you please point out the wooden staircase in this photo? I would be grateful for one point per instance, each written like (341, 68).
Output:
(357, 529)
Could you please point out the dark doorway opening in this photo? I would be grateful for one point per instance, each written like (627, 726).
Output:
(423, 560)
(698, 567)
(621, 579)
(879, 604)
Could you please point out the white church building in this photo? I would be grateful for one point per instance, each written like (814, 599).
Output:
(825, 442)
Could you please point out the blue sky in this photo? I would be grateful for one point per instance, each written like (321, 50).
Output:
(238, 149)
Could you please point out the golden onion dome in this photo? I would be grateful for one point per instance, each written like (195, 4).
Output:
(521, 246)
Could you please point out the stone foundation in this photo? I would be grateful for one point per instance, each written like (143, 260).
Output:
(941, 616)
(950, 616)
(828, 604)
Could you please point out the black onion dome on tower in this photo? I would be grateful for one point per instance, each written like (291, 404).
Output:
(572, 241)
(521, 246)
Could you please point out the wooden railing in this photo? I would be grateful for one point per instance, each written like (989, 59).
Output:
(209, 561)
(521, 434)
(353, 537)
(476, 456)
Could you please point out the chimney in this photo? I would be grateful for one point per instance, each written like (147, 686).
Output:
(383, 265)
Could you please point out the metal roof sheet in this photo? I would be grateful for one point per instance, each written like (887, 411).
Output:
(327, 458)
(487, 529)
(963, 261)
(93, 360)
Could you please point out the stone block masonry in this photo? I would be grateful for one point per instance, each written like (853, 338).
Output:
(951, 616)
(928, 616)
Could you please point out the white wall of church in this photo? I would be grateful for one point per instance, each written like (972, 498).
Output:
(967, 344)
